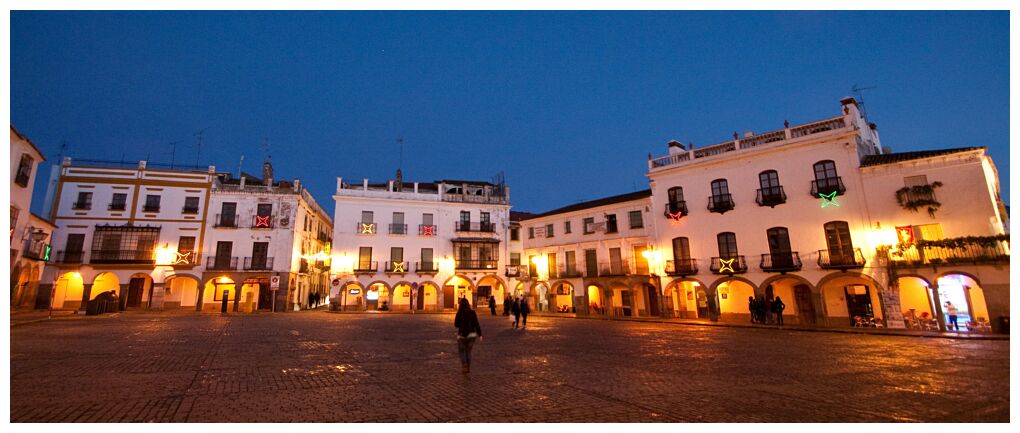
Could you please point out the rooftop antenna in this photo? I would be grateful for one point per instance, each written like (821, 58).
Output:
(198, 145)
(239, 165)
(859, 94)
(265, 148)
(400, 163)
(173, 152)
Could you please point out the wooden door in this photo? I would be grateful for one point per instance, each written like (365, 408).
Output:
(448, 298)
(653, 300)
(805, 305)
(590, 263)
(420, 302)
(134, 295)
(265, 296)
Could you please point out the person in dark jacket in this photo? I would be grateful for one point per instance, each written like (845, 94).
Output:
(507, 300)
(468, 329)
(752, 309)
(777, 307)
(525, 309)
(492, 305)
(515, 308)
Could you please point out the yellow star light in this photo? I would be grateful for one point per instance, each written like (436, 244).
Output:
(368, 229)
(398, 267)
(726, 264)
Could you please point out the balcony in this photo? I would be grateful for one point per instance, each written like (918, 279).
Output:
(426, 267)
(681, 267)
(569, 271)
(781, 262)
(148, 207)
(483, 227)
(676, 210)
(396, 267)
(117, 206)
(264, 222)
(225, 221)
(720, 203)
(221, 263)
(141, 257)
(366, 267)
(614, 269)
(398, 229)
(70, 257)
(323, 237)
(728, 265)
(475, 264)
(258, 263)
(771, 196)
(843, 259)
(190, 210)
(32, 249)
(82, 205)
(363, 228)
(516, 271)
(827, 186)
(973, 254)
(428, 230)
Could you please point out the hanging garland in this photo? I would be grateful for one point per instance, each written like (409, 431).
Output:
(956, 243)
(915, 197)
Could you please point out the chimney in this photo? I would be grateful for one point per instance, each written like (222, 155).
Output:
(267, 173)
(297, 184)
(675, 147)
(398, 185)
(748, 133)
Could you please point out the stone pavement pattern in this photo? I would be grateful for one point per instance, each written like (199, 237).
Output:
(317, 366)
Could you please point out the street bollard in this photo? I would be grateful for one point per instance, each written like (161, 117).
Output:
(223, 304)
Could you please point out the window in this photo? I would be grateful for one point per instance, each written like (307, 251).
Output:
(721, 200)
(191, 205)
(727, 245)
(151, 203)
(531, 233)
(426, 219)
(588, 222)
(228, 215)
(426, 260)
(640, 261)
(826, 180)
(74, 248)
(515, 234)
(681, 249)
(396, 256)
(465, 217)
(264, 209)
(611, 223)
(532, 270)
(571, 262)
(124, 244)
(365, 258)
(485, 218)
(84, 201)
(676, 196)
(770, 192)
(259, 256)
(367, 217)
(615, 261)
(515, 259)
(398, 227)
(635, 219)
(14, 219)
(119, 201)
(548, 230)
(566, 227)
(551, 262)
(838, 241)
(24, 170)
(186, 244)
(780, 252)
(825, 170)
(223, 258)
(921, 180)
(591, 260)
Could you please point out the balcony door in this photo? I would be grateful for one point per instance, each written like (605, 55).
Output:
(681, 253)
(779, 247)
(228, 212)
(223, 254)
(365, 258)
(426, 260)
(840, 246)
(727, 245)
(75, 247)
(259, 255)
(591, 263)
(640, 261)
(615, 261)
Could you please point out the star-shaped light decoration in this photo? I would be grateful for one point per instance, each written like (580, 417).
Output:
(367, 229)
(675, 216)
(398, 267)
(182, 258)
(428, 231)
(829, 199)
(726, 264)
(261, 221)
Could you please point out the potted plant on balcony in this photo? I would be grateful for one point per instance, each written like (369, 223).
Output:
(915, 197)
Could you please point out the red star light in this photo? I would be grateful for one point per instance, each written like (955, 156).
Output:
(261, 221)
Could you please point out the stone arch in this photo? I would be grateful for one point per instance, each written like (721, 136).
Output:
(775, 278)
(970, 302)
(427, 296)
(105, 282)
(557, 301)
(732, 303)
(934, 282)
(471, 284)
(182, 291)
(138, 295)
(800, 297)
(682, 297)
(211, 292)
(397, 295)
(594, 298)
(834, 309)
(715, 284)
(834, 275)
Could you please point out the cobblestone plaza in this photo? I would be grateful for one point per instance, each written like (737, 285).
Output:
(319, 367)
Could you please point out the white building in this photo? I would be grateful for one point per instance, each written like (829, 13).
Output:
(259, 229)
(164, 239)
(29, 233)
(807, 213)
(126, 230)
(421, 245)
(592, 258)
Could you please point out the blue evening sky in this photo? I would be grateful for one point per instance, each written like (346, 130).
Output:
(567, 104)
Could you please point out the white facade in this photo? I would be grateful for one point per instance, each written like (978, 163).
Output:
(592, 257)
(29, 234)
(385, 233)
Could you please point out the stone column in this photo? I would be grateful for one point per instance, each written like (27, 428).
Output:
(997, 303)
(86, 294)
(938, 307)
(122, 296)
(892, 312)
(158, 295)
(821, 318)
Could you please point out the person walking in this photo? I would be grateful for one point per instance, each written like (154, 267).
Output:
(506, 305)
(777, 307)
(752, 309)
(525, 310)
(468, 330)
(515, 308)
(952, 312)
(492, 305)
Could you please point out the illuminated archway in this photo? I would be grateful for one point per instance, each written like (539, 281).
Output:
(796, 293)
(491, 286)
(621, 300)
(213, 293)
(561, 298)
(427, 297)
(351, 295)
(105, 282)
(139, 291)
(377, 296)
(68, 292)
(538, 296)
(850, 299)
(686, 298)
(181, 291)
(596, 300)
(455, 288)
(968, 299)
(732, 297)
(401, 296)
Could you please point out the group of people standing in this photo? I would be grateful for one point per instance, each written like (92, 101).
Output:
(315, 299)
(766, 311)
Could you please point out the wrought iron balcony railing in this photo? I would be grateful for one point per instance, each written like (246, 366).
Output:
(781, 262)
(720, 203)
(428, 229)
(841, 258)
(265, 222)
(150, 208)
(82, 205)
(728, 265)
(568, 271)
(676, 210)
(467, 226)
(476, 264)
(258, 263)
(914, 256)
(225, 221)
(396, 267)
(426, 267)
(117, 206)
(827, 186)
(366, 266)
(363, 228)
(123, 256)
(681, 267)
(68, 257)
(398, 229)
(771, 196)
(221, 263)
(190, 209)
(612, 269)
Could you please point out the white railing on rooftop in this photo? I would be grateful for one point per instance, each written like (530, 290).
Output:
(757, 140)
